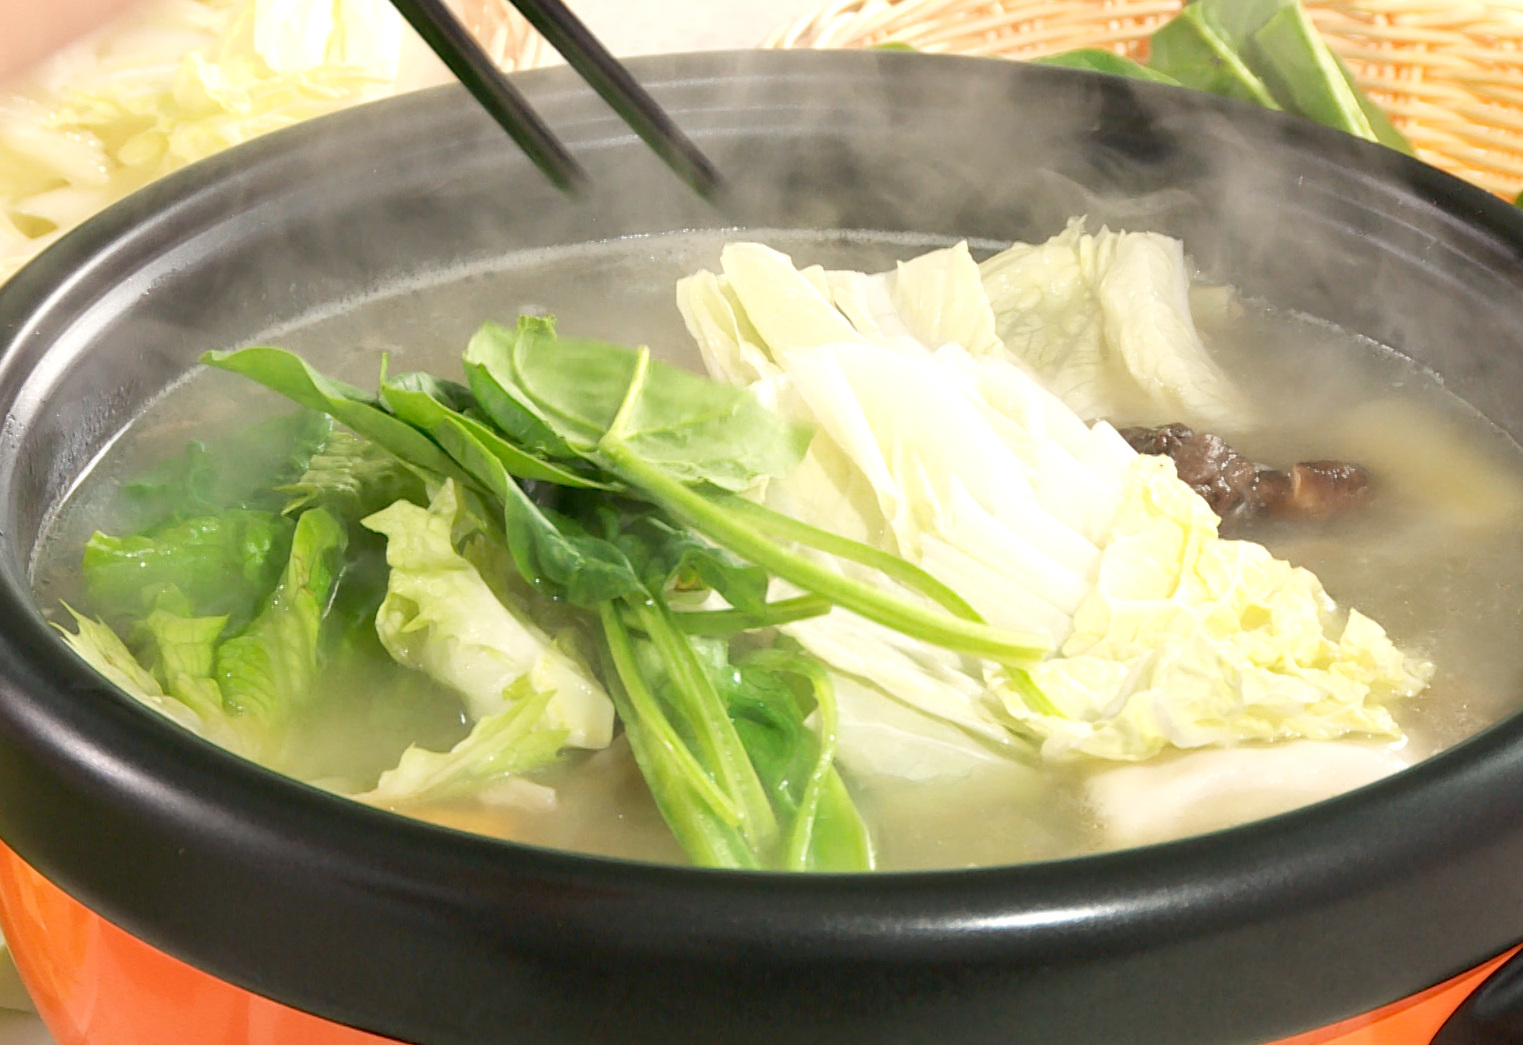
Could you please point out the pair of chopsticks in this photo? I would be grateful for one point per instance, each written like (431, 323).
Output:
(458, 49)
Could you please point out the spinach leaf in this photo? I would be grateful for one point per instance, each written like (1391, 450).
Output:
(673, 558)
(438, 408)
(578, 388)
(771, 693)
(287, 373)
(560, 559)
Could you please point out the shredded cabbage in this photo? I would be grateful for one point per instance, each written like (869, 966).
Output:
(183, 80)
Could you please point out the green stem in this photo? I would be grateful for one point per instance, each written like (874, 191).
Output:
(902, 570)
(720, 743)
(724, 528)
(705, 838)
(801, 838)
(645, 709)
(722, 623)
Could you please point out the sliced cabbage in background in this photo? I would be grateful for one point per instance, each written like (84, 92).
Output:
(178, 82)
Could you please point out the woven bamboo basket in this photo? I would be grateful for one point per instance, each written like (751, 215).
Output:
(1449, 72)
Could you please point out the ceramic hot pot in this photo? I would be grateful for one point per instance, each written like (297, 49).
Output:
(159, 890)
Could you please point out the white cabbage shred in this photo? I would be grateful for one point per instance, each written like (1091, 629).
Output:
(957, 409)
(182, 80)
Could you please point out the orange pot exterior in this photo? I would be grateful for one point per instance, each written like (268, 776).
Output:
(95, 984)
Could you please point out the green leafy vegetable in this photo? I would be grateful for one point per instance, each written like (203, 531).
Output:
(559, 559)
(235, 471)
(751, 543)
(1194, 51)
(692, 428)
(825, 832)
(185, 659)
(269, 669)
(771, 615)
(1293, 59)
(437, 408)
(506, 744)
(671, 557)
(287, 373)
(1098, 60)
(702, 817)
(97, 645)
(782, 803)
(222, 564)
(441, 618)
(1270, 53)
(351, 477)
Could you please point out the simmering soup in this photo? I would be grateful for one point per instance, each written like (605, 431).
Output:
(965, 563)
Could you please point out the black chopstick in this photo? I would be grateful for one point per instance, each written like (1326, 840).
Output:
(603, 73)
(458, 49)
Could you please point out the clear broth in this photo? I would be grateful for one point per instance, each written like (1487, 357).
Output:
(1436, 559)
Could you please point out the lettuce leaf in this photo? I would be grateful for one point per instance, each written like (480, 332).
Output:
(222, 564)
(268, 671)
(441, 618)
(236, 470)
(502, 745)
(351, 477)
(185, 659)
(97, 645)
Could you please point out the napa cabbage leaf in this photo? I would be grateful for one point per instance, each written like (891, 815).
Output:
(1190, 640)
(1104, 321)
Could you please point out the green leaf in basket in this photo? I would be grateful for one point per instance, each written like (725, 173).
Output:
(1098, 60)
(894, 45)
(1193, 50)
(1386, 132)
(1276, 52)
(1293, 59)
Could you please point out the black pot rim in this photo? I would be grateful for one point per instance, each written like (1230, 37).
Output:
(83, 770)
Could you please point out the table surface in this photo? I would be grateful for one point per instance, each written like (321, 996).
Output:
(627, 27)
